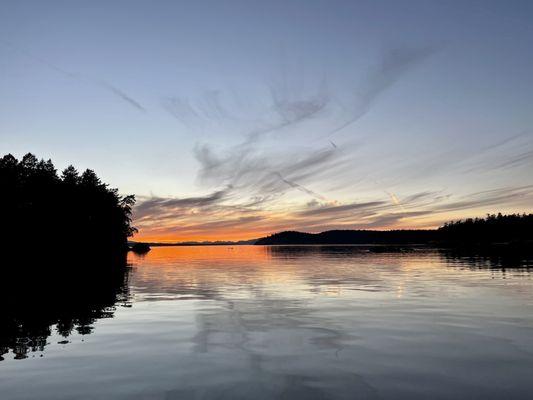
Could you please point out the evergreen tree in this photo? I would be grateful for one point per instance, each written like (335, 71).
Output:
(47, 210)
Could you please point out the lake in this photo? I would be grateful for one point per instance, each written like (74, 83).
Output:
(288, 322)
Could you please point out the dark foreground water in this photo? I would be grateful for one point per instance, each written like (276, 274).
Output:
(279, 322)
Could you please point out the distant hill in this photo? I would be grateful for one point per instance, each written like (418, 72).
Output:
(351, 237)
(495, 229)
(194, 243)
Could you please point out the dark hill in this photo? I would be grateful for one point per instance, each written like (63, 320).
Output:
(351, 237)
(493, 230)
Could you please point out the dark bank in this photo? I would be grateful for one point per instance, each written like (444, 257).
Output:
(498, 232)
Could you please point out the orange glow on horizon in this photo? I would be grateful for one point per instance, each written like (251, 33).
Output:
(228, 235)
(233, 235)
(220, 226)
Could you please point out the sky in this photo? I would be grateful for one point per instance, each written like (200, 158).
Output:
(232, 120)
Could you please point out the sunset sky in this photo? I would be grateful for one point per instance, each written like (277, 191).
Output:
(237, 119)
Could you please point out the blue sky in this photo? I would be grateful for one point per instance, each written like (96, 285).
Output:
(234, 119)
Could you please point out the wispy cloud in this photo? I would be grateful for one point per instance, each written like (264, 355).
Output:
(163, 206)
(128, 99)
(394, 64)
(281, 170)
(300, 187)
(216, 215)
(119, 93)
(341, 210)
(518, 195)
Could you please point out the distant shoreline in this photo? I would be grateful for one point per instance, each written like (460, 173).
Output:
(494, 233)
(296, 244)
(182, 244)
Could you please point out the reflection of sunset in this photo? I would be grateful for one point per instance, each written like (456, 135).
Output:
(290, 271)
(210, 270)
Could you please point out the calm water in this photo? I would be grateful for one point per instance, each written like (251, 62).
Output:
(255, 322)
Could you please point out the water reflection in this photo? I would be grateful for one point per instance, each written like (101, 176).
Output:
(503, 261)
(40, 296)
(295, 322)
(495, 258)
(304, 271)
(340, 322)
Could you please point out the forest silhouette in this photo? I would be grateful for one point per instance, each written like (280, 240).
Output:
(64, 240)
(69, 211)
(514, 231)
(494, 228)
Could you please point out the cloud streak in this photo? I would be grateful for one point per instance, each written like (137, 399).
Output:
(161, 206)
(300, 187)
(128, 99)
(79, 77)
(394, 64)
(279, 151)
(214, 216)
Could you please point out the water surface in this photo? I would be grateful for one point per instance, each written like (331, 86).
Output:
(252, 322)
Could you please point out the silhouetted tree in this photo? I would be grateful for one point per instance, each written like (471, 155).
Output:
(46, 210)
(493, 228)
(70, 176)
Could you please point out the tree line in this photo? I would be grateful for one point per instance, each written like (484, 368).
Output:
(51, 211)
(493, 228)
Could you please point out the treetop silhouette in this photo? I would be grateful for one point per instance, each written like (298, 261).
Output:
(70, 210)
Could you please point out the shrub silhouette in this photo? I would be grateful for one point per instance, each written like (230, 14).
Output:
(71, 210)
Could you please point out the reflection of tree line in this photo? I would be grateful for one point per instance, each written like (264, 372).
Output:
(495, 257)
(489, 259)
(67, 298)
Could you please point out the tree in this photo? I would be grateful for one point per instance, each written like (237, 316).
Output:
(89, 179)
(69, 210)
(70, 176)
